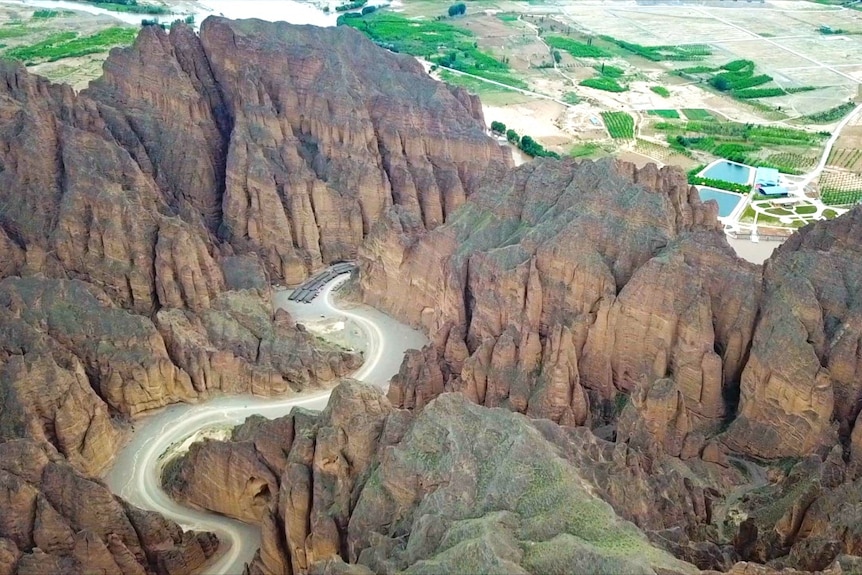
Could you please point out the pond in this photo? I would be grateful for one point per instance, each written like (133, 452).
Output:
(726, 201)
(729, 172)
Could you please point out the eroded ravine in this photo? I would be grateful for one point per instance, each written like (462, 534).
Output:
(135, 474)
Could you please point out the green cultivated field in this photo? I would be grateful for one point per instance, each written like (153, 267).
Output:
(669, 114)
(575, 48)
(745, 143)
(620, 124)
(69, 45)
(438, 42)
(697, 114)
(840, 198)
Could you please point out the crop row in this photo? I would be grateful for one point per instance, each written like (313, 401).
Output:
(619, 124)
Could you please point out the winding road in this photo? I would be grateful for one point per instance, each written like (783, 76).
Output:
(135, 474)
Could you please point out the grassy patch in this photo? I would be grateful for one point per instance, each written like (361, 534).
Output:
(571, 98)
(669, 114)
(490, 93)
(749, 214)
(439, 42)
(830, 115)
(508, 17)
(584, 150)
(663, 53)
(829, 214)
(14, 31)
(45, 14)
(69, 45)
(697, 114)
(603, 83)
(661, 91)
(619, 124)
(575, 48)
(804, 210)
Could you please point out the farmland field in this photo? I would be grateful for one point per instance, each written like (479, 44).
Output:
(619, 124)
(669, 114)
(697, 114)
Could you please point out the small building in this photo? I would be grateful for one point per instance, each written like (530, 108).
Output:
(766, 177)
(766, 182)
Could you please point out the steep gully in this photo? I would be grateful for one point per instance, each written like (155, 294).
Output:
(135, 474)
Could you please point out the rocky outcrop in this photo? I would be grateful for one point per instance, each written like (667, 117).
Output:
(521, 319)
(305, 136)
(197, 164)
(458, 488)
(123, 354)
(803, 382)
(45, 529)
(238, 346)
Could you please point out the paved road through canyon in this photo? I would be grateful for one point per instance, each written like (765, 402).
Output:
(136, 471)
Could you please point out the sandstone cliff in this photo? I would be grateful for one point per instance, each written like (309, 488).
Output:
(566, 284)
(305, 135)
(457, 488)
(45, 529)
(143, 220)
(803, 383)
(197, 165)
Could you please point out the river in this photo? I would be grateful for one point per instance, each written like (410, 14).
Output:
(271, 10)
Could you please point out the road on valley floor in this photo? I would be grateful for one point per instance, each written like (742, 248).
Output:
(135, 475)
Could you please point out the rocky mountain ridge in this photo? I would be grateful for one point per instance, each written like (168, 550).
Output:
(142, 223)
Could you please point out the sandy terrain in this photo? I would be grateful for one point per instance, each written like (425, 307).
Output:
(540, 119)
(756, 252)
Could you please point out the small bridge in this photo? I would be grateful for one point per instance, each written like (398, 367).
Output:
(309, 289)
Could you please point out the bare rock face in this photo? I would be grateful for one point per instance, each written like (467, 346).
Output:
(196, 165)
(45, 529)
(364, 487)
(305, 135)
(804, 372)
(563, 285)
(124, 354)
(237, 346)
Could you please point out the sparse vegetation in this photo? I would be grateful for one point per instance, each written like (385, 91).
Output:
(620, 125)
(69, 45)
(741, 142)
(576, 49)
(439, 42)
(584, 150)
(571, 98)
(14, 31)
(830, 115)
(698, 114)
(664, 53)
(661, 91)
(130, 6)
(45, 14)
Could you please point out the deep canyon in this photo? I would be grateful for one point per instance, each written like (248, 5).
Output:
(608, 388)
